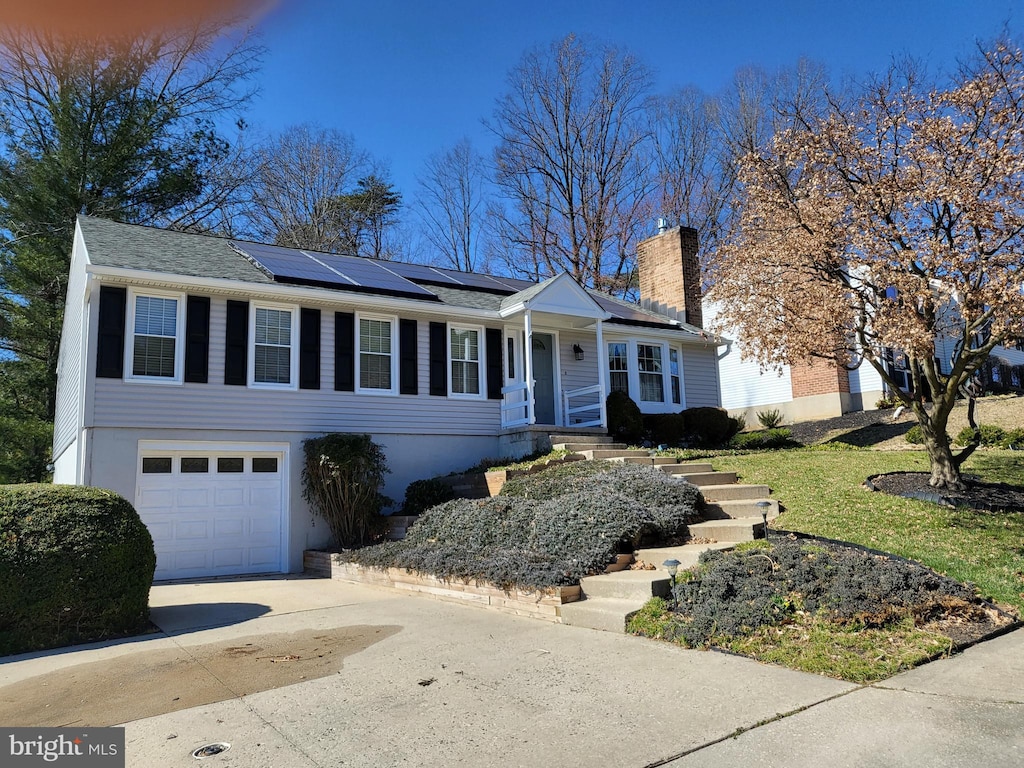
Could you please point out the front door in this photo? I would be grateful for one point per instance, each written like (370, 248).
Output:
(544, 378)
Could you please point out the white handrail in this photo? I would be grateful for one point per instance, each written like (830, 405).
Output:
(593, 405)
(519, 405)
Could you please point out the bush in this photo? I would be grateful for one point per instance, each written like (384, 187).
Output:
(764, 440)
(991, 436)
(341, 480)
(737, 592)
(915, 436)
(421, 495)
(1014, 439)
(625, 422)
(544, 538)
(769, 419)
(76, 565)
(709, 426)
(665, 428)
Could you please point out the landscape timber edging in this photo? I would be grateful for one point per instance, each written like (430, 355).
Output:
(540, 603)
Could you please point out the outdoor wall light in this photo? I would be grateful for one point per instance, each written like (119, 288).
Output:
(763, 506)
(577, 351)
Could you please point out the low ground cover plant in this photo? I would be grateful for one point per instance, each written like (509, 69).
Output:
(76, 565)
(814, 605)
(547, 529)
(764, 440)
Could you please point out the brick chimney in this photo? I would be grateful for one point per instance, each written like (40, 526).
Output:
(670, 274)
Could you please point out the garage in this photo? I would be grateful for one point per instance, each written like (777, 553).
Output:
(214, 512)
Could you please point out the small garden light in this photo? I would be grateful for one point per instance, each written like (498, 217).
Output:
(763, 506)
(672, 566)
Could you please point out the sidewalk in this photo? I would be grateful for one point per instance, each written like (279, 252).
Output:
(392, 680)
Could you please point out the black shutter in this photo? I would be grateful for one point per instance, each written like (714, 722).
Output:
(438, 359)
(309, 348)
(236, 343)
(344, 351)
(495, 370)
(408, 358)
(110, 342)
(197, 339)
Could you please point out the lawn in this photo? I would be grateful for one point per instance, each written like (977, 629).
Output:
(822, 494)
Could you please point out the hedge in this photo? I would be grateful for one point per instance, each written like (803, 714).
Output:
(76, 565)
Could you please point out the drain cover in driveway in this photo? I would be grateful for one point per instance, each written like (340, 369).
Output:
(211, 749)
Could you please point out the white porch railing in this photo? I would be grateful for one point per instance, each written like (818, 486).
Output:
(515, 409)
(589, 412)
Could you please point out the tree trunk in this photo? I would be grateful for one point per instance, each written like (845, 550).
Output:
(945, 470)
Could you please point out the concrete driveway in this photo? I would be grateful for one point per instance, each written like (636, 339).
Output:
(308, 672)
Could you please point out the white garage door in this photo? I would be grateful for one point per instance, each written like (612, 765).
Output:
(217, 513)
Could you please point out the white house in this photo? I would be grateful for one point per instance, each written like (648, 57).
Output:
(192, 368)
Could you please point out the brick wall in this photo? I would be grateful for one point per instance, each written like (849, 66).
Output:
(670, 272)
(818, 378)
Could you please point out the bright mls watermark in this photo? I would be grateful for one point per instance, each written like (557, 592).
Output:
(79, 747)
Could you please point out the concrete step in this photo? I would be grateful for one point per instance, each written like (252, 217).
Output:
(650, 461)
(604, 454)
(687, 554)
(738, 529)
(626, 585)
(684, 469)
(700, 479)
(732, 491)
(733, 508)
(582, 437)
(605, 613)
(580, 446)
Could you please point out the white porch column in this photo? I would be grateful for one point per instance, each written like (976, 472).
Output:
(602, 372)
(528, 366)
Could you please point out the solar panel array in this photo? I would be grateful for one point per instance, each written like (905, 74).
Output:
(623, 311)
(352, 273)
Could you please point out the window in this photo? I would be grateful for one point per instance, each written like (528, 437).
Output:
(273, 347)
(198, 465)
(464, 356)
(157, 465)
(652, 384)
(673, 372)
(230, 464)
(376, 361)
(155, 353)
(618, 367)
(260, 464)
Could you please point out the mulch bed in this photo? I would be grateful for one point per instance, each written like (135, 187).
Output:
(988, 497)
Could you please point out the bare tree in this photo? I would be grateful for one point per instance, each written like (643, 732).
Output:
(452, 204)
(296, 183)
(572, 162)
(891, 221)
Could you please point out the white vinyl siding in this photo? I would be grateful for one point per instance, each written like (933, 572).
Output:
(273, 351)
(376, 358)
(464, 361)
(72, 369)
(700, 377)
(153, 348)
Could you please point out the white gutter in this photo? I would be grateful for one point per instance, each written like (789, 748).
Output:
(279, 291)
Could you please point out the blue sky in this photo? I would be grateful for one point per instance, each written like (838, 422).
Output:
(409, 78)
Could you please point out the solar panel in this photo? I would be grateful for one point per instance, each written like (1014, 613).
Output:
(352, 273)
(622, 311)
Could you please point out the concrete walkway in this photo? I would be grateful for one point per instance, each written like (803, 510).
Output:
(424, 683)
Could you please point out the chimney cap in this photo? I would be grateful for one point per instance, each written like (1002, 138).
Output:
(662, 225)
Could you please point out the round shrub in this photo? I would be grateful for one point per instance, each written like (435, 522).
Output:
(421, 495)
(625, 422)
(709, 426)
(76, 565)
(915, 435)
(665, 428)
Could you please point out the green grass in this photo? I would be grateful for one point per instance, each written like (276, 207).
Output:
(822, 494)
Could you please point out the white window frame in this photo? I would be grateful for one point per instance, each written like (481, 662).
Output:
(629, 366)
(393, 320)
(633, 372)
(179, 337)
(293, 356)
(481, 368)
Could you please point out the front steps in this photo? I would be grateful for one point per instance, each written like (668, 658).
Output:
(731, 515)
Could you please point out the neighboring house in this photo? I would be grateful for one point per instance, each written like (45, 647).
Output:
(192, 368)
(800, 393)
(817, 391)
